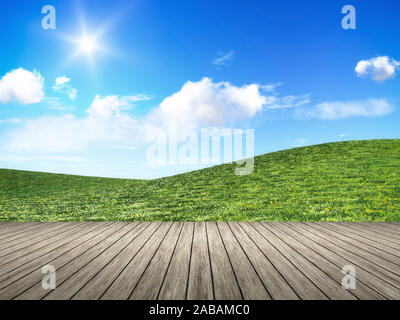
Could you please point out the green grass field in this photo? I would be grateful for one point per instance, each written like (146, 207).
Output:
(344, 181)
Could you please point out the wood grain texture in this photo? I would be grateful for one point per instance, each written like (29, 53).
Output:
(199, 260)
(200, 284)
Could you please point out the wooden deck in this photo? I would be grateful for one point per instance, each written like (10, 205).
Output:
(121, 260)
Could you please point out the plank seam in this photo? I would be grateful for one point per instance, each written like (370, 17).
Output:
(230, 262)
(152, 257)
(277, 270)
(115, 279)
(169, 263)
(292, 263)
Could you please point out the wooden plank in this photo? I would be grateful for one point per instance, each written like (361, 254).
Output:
(19, 231)
(34, 258)
(354, 255)
(224, 279)
(200, 285)
(66, 270)
(380, 247)
(299, 244)
(250, 284)
(372, 234)
(365, 251)
(68, 288)
(176, 279)
(151, 281)
(122, 287)
(32, 238)
(377, 228)
(331, 288)
(327, 250)
(43, 246)
(5, 224)
(13, 227)
(393, 227)
(303, 287)
(27, 275)
(273, 281)
(200, 260)
(29, 236)
(96, 287)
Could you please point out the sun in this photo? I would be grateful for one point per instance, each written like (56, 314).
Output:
(87, 44)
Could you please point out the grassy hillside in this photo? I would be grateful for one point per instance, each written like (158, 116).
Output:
(345, 181)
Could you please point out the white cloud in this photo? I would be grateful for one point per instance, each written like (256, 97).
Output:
(224, 59)
(62, 81)
(62, 85)
(271, 87)
(112, 105)
(211, 104)
(290, 101)
(334, 110)
(379, 68)
(22, 86)
(202, 103)
(55, 103)
(104, 125)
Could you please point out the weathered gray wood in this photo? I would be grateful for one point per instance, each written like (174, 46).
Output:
(393, 227)
(298, 243)
(379, 229)
(327, 250)
(224, 279)
(249, 282)
(43, 246)
(343, 258)
(4, 224)
(118, 241)
(358, 257)
(331, 288)
(367, 252)
(96, 287)
(69, 269)
(151, 281)
(303, 287)
(31, 239)
(200, 285)
(11, 229)
(275, 283)
(380, 238)
(122, 287)
(22, 230)
(26, 275)
(122, 260)
(176, 279)
(373, 246)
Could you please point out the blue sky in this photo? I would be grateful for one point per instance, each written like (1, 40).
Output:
(286, 69)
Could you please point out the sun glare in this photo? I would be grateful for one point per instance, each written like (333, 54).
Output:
(87, 44)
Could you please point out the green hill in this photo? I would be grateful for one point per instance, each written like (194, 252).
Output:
(344, 181)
